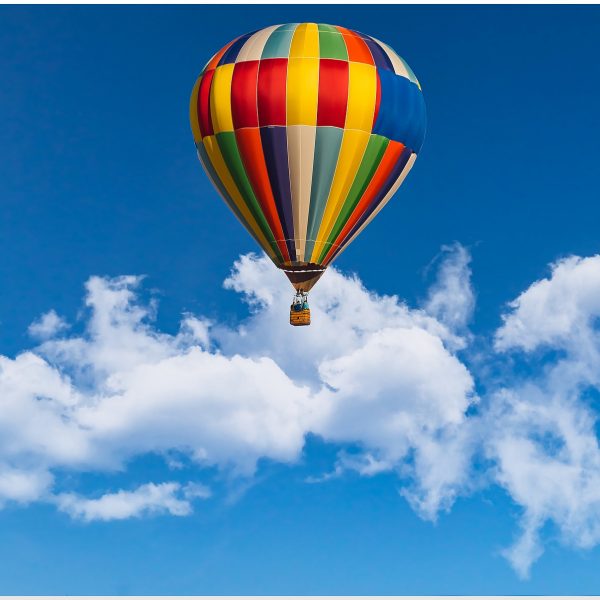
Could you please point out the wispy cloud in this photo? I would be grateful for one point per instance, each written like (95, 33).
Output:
(147, 499)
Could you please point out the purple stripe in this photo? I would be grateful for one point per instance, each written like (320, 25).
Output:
(387, 186)
(274, 143)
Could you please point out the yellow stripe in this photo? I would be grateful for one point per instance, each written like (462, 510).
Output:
(194, 111)
(362, 94)
(216, 159)
(220, 99)
(302, 91)
(305, 43)
(352, 150)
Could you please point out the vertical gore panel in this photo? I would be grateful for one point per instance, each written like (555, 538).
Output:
(327, 149)
(220, 99)
(229, 149)
(333, 92)
(301, 154)
(274, 143)
(278, 44)
(305, 43)
(358, 51)
(271, 93)
(331, 43)
(203, 108)
(351, 154)
(243, 94)
(250, 210)
(302, 91)
(362, 95)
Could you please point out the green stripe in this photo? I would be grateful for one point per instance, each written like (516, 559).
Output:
(233, 160)
(331, 43)
(372, 157)
(279, 42)
(327, 148)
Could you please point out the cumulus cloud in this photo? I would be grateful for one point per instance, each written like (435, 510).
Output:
(390, 385)
(148, 499)
(122, 388)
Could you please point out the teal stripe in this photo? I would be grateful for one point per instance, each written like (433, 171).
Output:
(327, 149)
(279, 42)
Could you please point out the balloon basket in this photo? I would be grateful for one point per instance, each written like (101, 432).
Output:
(300, 317)
(299, 310)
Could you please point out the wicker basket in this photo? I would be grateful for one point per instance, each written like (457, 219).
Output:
(300, 317)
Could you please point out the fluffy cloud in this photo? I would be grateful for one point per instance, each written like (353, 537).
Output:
(122, 388)
(388, 383)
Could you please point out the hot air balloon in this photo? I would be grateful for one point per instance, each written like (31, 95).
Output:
(306, 130)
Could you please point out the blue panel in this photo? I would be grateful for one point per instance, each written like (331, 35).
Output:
(382, 60)
(274, 144)
(232, 52)
(402, 116)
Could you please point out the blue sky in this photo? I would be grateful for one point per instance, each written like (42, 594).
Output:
(98, 177)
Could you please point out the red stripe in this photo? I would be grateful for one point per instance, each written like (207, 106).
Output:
(386, 166)
(271, 96)
(204, 118)
(243, 94)
(250, 148)
(333, 92)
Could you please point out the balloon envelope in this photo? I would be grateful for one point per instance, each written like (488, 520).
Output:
(306, 130)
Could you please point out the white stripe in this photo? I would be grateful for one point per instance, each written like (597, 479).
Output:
(253, 48)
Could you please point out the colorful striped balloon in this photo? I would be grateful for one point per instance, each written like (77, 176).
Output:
(306, 130)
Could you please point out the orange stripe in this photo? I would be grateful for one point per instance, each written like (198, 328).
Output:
(386, 166)
(250, 148)
(217, 57)
(358, 51)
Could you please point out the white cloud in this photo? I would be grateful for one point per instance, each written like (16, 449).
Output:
(148, 499)
(541, 427)
(371, 373)
(558, 311)
(229, 397)
(451, 299)
(48, 325)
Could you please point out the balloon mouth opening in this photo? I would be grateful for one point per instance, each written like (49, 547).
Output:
(303, 277)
